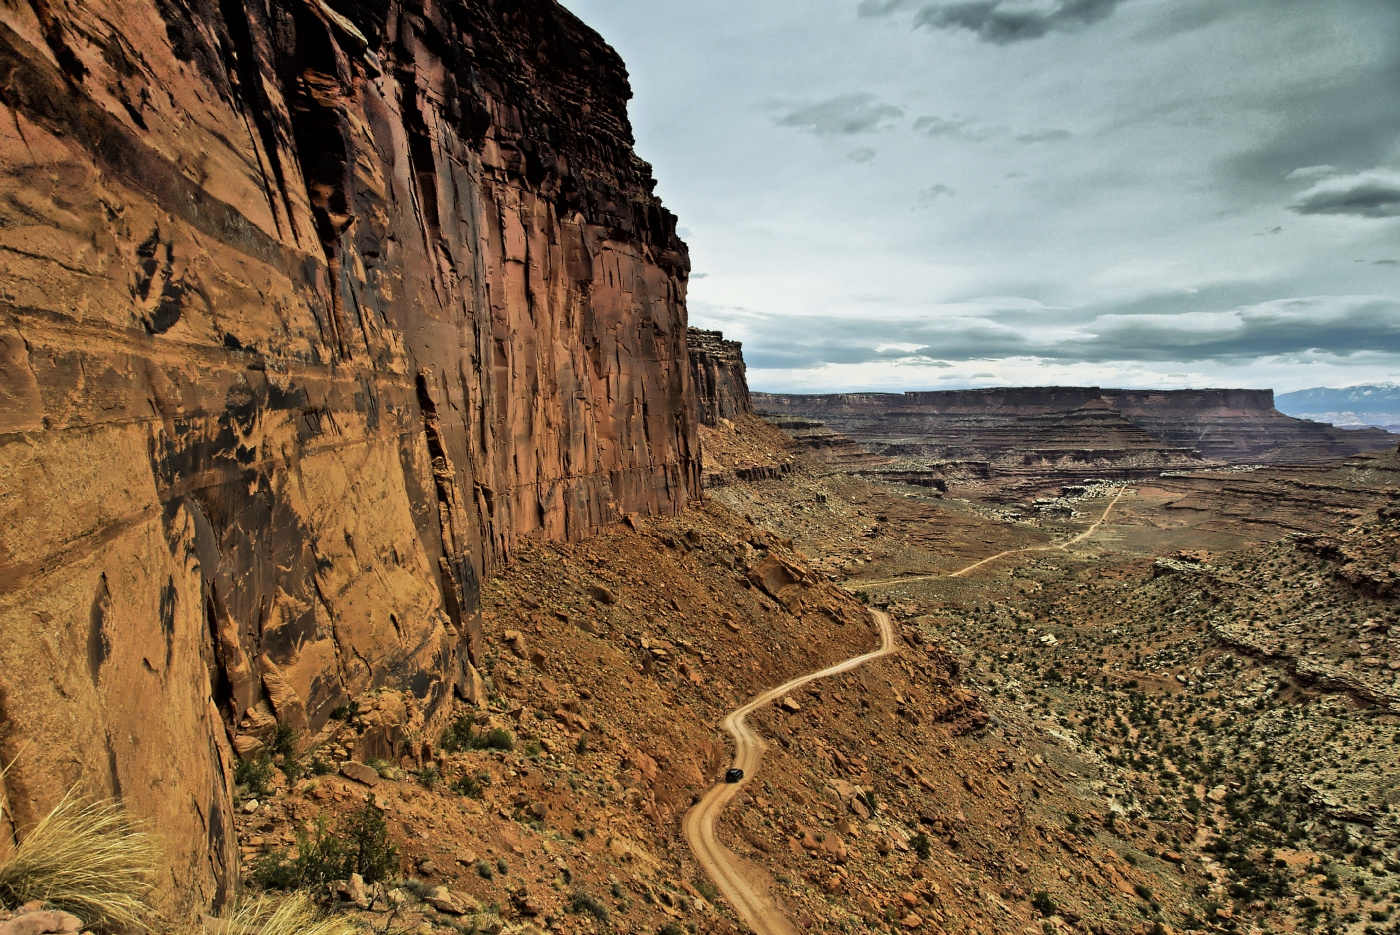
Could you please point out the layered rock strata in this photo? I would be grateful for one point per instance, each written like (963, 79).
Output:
(1241, 425)
(1136, 430)
(311, 312)
(813, 438)
(718, 373)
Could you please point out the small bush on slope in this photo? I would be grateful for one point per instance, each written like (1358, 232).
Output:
(360, 844)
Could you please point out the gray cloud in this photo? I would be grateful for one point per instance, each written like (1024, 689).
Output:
(1373, 194)
(1351, 120)
(954, 127)
(1044, 136)
(1187, 16)
(999, 21)
(869, 8)
(848, 114)
(1152, 233)
(1338, 325)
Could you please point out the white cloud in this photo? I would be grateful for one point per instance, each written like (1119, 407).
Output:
(1282, 373)
(1312, 172)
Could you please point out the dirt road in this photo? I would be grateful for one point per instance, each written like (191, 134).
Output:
(747, 894)
(745, 890)
(1059, 546)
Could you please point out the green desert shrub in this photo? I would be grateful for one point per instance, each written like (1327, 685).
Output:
(582, 902)
(254, 774)
(358, 844)
(462, 735)
(1042, 903)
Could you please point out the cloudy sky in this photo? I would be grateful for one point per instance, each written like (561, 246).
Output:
(902, 194)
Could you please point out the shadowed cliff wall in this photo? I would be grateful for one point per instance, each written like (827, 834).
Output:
(310, 311)
(718, 374)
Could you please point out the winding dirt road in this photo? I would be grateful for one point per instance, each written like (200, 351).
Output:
(746, 892)
(749, 897)
(1057, 547)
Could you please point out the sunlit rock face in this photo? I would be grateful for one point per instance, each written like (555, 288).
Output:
(312, 310)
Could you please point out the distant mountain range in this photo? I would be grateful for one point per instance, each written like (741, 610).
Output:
(1375, 404)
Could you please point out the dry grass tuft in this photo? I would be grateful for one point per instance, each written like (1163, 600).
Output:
(296, 914)
(86, 858)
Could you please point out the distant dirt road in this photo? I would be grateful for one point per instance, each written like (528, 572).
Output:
(750, 896)
(1061, 546)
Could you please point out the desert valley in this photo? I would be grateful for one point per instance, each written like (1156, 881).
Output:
(381, 551)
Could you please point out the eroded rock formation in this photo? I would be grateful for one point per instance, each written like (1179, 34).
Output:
(311, 311)
(717, 370)
(824, 445)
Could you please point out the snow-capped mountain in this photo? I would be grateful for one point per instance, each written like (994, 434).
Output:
(1367, 404)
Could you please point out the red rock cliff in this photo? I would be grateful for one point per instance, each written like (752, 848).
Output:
(718, 374)
(312, 308)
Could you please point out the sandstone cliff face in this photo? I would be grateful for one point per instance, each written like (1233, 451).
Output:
(311, 311)
(717, 371)
(1149, 429)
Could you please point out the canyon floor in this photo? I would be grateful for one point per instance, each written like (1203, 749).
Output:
(1167, 705)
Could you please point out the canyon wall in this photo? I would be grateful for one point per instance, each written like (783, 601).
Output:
(717, 371)
(311, 311)
(1153, 429)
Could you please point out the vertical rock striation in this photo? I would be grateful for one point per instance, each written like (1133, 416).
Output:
(717, 371)
(311, 310)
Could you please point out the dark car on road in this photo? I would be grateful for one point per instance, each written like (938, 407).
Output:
(733, 775)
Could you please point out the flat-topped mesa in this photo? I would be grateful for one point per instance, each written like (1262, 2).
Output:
(1237, 425)
(718, 375)
(1226, 425)
(1021, 398)
(312, 311)
(1229, 400)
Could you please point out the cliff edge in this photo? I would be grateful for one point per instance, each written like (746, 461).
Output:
(720, 378)
(311, 312)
